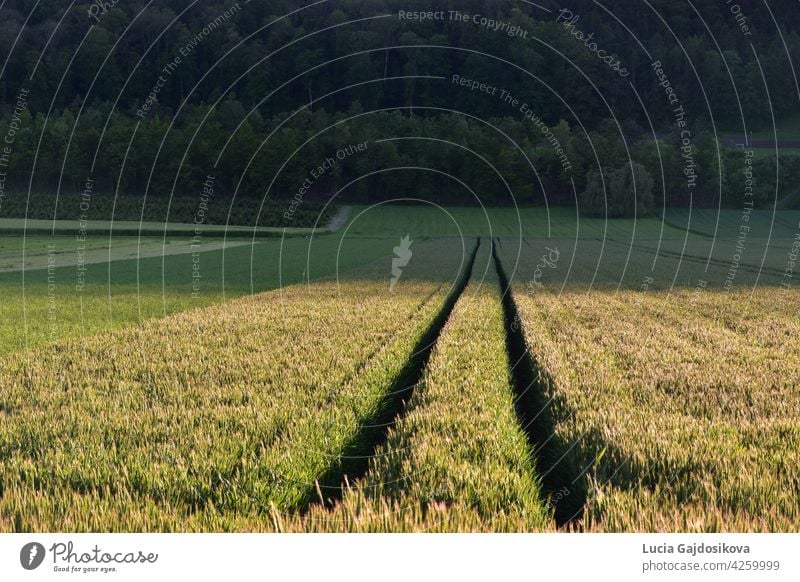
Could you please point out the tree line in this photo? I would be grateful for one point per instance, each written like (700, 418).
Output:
(346, 72)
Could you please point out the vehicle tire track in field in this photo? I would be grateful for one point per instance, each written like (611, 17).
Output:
(391, 337)
(561, 474)
(354, 462)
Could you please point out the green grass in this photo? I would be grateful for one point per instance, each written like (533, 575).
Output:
(536, 221)
(126, 292)
(784, 225)
(786, 128)
(590, 265)
(770, 152)
(689, 255)
(21, 226)
(592, 252)
(40, 252)
(156, 210)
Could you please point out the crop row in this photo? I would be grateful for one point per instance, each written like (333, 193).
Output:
(684, 408)
(209, 419)
(457, 460)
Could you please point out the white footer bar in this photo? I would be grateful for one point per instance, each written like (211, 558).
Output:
(390, 557)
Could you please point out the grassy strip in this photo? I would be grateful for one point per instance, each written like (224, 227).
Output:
(139, 229)
(686, 406)
(535, 221)
(457, 460)
(561, 474)
(175, 209)
(233, 233)
(41, 306)
(204, 420)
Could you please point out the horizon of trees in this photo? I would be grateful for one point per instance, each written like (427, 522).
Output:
(246, 120)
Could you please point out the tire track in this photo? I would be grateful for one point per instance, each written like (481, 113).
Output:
(354, 461)
(557, 464)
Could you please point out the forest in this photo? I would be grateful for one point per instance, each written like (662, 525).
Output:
(515, 102)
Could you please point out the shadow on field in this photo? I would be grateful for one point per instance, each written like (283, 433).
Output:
(561, 474)
(354, 462)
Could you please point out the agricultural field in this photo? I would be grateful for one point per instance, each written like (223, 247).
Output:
(208, 419)
(457, 460)
(685, 406)
(40, 209)
(787, 128)
(680, 249)
(46, 297)
(518, 371)
(523, 221)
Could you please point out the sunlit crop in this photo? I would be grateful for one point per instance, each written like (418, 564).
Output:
(209, 414)
(458, 459)
(686, 406)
